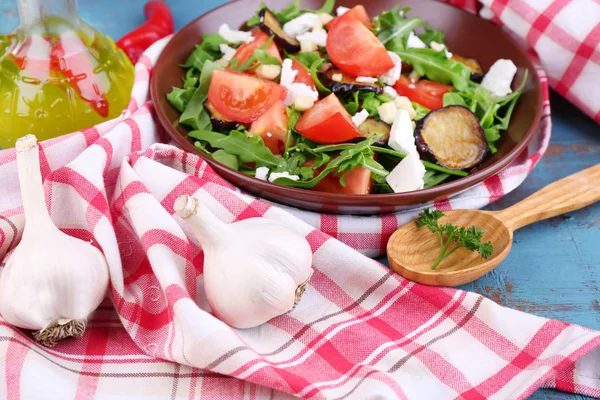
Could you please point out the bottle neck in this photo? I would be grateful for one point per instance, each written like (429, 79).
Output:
(34, 11)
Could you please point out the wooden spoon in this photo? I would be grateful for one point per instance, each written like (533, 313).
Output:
(412, 251)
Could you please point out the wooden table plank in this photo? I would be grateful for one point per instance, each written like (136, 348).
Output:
(553, 270)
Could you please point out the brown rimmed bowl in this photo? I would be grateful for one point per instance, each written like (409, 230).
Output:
(466, 34)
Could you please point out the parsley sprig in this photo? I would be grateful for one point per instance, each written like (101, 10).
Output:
(469, 238)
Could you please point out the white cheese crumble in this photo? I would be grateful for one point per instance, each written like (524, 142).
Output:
(403, 103)
(288, 75)
(387, 112)
(284, 174)
(337, 77)
(341, 10)
(435, 46)
(360, 117)
(319, 37)
(407, 175)
(301, 24)
(414, 42)
(366, 79)
(262, 173)
(234, 36)
(392, 76)
(325, 18)
(390, 91)
(499, 78)
(227, 51)
(402, 137)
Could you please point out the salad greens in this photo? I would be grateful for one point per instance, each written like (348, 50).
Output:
(311, 162)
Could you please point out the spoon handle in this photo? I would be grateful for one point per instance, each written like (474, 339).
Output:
(568, 194)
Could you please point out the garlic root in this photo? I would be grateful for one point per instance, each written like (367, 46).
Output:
(52, 281)
(254, 270)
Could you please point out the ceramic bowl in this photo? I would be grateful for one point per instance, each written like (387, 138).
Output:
(466, 34)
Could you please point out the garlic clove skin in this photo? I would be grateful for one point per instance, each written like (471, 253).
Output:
(52, 281)
(254, 270)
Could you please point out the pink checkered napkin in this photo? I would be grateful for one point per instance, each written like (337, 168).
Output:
(359, 332)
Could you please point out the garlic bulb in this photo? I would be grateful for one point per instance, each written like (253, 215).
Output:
(52, 281)
(254, 270)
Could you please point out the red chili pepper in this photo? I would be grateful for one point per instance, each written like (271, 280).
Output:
(159, 23)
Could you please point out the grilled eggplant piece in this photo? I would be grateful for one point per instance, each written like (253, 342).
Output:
(452, 137)
(374, 126)
(219, 122)
(270, 25)
(471, 63)
(347, 84)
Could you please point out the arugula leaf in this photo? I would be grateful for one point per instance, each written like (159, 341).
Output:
(469, 238)
(225, 158)
(194, 114)
(420, 110)
(436, 67)
(454, 99)
(427, 164)
(307, 58)
(326, 8)
(353, 104)
(432, 35)
(179, 98)
(207, 50)
(313, 73)
(255, 19)
(247, 149)
(259, 55)
(434, 178)
(393, 28)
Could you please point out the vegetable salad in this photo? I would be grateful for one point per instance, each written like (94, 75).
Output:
(336, 101)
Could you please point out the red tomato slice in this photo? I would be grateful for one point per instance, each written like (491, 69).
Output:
(356, 50)
(243, 98)
(303, 75)
(358, 181)
(245, 51)
(427, 93)
(327, 122)
(272, 127)
(359, 13)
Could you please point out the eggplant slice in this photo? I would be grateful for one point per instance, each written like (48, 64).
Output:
(347, 84)
(219, 122)
(452, 137)
(374, 126)
(471, 63)
(270, 25)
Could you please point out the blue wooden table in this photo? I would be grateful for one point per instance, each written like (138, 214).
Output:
(554, 268)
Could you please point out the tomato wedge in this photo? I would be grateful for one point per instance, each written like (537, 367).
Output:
(359, 13)
(241, 97)
(272, 127)
(245, 51)
(356, 50)
(303, 75)
(358, 181)
(327, 122)
(427, 93)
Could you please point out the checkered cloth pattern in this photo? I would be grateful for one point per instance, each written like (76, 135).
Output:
(360, 332)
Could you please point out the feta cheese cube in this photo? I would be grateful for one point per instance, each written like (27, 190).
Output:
(337, 77)
(414, 42)
(319, 37)
(288, 75)
(301, 24)
(390, 91)
(308, 46)
(402, 137)
(325, 18)
(360, 117)
(262, 173)
(498, 79)
(435, 46)
(227, 51)
(403, 103)
(223, 63)
(299, 90)
(270, 72)
(392, 76)
(234, 36)
(303, 103)
(408, 175)
(341, 10)
(284, 174)
(387, 112)
(366, 79)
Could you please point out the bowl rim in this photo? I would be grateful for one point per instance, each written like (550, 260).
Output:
(436, 192)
